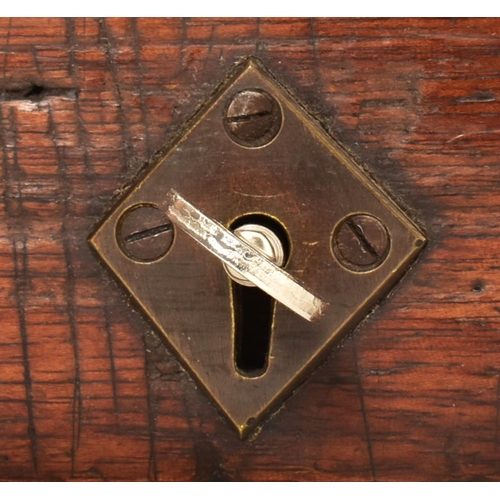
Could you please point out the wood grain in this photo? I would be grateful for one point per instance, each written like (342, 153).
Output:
(88, 392)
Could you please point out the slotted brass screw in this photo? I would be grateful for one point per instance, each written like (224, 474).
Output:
(145, 233)
(253, 118)
(361, 242)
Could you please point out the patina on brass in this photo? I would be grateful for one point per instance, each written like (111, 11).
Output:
(301, 178)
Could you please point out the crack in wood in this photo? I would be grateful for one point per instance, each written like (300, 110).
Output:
(35, 92)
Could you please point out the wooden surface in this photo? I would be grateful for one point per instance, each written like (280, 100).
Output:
(88, 392)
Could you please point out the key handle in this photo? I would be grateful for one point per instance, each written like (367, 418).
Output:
(244, 259)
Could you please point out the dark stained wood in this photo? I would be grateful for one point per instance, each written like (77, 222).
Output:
(88, 392)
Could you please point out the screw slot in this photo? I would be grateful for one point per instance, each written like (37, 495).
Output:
(144, 233)
(253, 118)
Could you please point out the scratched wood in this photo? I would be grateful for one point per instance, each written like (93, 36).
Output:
(87, 390)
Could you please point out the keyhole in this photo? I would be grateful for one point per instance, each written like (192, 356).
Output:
(254, 309)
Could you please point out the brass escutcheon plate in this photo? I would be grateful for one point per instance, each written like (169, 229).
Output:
(307, 182)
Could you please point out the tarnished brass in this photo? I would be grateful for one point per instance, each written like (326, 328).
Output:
(306, 182)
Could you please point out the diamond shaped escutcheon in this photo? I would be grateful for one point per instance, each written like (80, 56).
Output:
(301, 178)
